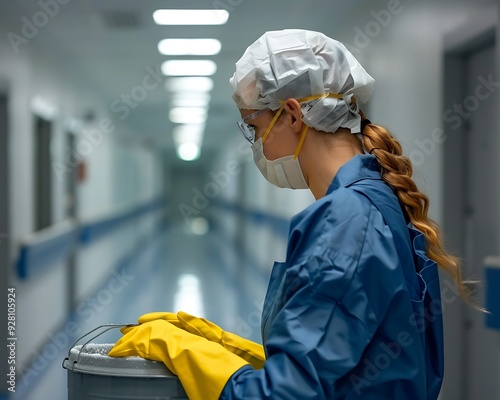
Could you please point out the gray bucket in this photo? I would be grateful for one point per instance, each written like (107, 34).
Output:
(93, 375)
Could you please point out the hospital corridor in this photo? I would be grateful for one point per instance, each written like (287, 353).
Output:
(175, 222)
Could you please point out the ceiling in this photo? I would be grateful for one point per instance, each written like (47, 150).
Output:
(113, 59)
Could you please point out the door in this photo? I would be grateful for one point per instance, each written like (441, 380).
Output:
(71, 179)
(71, 213)
(43, 173)
(472, 213)
(481, 227)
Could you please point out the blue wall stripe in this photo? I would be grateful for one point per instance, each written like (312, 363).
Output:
(278, 224)
(35, 257)
(93, 231)
(256, 271)
(129, 260)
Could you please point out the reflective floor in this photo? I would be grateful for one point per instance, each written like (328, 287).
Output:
(201, 275)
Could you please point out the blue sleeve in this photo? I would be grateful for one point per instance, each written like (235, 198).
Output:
(327, 317)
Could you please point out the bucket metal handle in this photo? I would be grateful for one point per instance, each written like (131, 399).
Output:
(106, 327)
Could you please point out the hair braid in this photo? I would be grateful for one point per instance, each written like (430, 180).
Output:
(397, 171)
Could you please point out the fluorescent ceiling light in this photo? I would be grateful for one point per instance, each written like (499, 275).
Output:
(188, 152)
(190, 99)
(189, 47)
(189, 84)
(199, 226)
(189, 103)
(188, 115)
(191, 17)
(190, 133)
(189, 67)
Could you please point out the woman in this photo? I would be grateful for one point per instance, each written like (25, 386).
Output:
(354, 311)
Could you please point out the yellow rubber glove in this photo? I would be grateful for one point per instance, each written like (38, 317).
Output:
(167, 316)
(244, 348)
(203, 367)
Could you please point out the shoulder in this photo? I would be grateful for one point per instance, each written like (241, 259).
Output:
(336, 222)
(330, 241)
(342, 204)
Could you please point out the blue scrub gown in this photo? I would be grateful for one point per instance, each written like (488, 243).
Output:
(354, 312)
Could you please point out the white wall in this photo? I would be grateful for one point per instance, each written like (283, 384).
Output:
(112, 163)
(406, 59)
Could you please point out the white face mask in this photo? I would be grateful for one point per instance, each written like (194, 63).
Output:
(284, 172)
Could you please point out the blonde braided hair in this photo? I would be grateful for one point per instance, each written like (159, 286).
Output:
(397, 170)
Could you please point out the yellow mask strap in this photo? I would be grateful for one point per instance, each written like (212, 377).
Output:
(304, 130)
(268, 130)
(301, 142)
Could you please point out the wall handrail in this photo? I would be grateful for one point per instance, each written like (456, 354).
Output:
(279, 225)
(93, 230)
(54, 244)
(45, 247)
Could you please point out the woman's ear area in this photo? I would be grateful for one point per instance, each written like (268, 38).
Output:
(294, 109)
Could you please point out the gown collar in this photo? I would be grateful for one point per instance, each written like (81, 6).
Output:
(361, 166)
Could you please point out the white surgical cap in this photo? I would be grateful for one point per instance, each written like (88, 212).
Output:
(298, 63)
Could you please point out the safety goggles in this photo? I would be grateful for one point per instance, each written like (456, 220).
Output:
(248, 130)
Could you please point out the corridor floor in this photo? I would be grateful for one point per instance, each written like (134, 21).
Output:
(201, 275)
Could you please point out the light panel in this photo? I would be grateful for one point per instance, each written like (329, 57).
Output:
(190, 102)
(188, 151)
(189, 133)
(189, 47)
(190, 17)
(188, 68)
(189, 84)
(199, 226)
(188, 115)
(188, 139)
